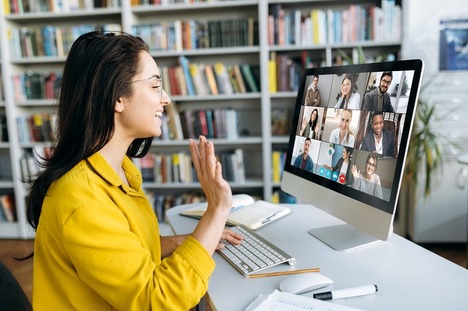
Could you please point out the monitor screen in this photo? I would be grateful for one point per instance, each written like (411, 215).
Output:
(347, 148)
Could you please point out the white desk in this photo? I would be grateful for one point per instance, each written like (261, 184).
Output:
(408, 276)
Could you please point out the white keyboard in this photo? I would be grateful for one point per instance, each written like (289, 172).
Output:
(254, 253)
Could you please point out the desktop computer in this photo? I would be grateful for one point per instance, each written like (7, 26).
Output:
(347, 147)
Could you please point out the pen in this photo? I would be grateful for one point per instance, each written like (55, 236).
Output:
(349, 292)
(262, 275)
(267, 219)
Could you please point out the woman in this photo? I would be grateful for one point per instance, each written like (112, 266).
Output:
(348, 97)
(343, 135)
(369, 182)
(343, 167)
(309, 128)
(97, 243)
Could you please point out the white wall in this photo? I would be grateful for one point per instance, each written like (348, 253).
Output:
(421, 28)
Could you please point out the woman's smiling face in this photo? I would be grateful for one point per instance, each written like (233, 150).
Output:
(346, 87)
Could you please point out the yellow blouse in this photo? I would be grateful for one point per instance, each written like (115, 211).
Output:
(98, 247)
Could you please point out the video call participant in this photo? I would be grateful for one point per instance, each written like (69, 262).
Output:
(369, 181)
(379, 140)
(343, 135)
(343, 166)
(313, 93)
(378, 99)
(348, 97)
(309, 128)
(303, 160)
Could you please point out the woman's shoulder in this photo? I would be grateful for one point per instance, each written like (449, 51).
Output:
(86, 174)
(376, 178)
(74, 179)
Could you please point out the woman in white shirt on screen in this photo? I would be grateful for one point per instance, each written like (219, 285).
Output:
(348, 97)
(343, 135)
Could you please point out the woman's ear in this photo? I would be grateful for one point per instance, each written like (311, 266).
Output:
(119, 105)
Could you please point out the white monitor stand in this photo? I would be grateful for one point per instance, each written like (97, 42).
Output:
(344, 237)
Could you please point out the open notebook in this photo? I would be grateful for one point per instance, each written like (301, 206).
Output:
(245, 211)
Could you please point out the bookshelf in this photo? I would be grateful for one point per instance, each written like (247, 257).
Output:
(185, 27)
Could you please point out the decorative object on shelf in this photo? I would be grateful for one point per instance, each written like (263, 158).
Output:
(453, 44)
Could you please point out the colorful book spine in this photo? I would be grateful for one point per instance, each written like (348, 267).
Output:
(184, 63)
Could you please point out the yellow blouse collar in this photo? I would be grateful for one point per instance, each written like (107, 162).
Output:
(103, 168)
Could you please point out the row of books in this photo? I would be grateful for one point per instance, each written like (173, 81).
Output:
(169, 2)
(49, 40)
(321, 26)
(285, 68)
(210, 79)
(212, 123)
(7, 208)
(36, 85)
(175, 35)
(36, 127)
(277, 165)
(284, 72)
(192, 34)
(202, 79)
(191, 123)
(177, 167)
(57, 6)
(162, 202)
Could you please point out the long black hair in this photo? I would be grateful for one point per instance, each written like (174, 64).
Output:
(313, 124)
(97, 72)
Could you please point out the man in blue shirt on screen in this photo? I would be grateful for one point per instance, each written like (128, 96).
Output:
(304, 161)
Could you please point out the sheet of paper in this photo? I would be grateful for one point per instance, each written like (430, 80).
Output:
(281, 301)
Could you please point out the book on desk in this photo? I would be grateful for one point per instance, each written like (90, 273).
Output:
(245, 211)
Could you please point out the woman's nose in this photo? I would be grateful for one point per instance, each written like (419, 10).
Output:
(165, 99)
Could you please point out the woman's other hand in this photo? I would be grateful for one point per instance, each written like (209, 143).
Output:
(229, 236)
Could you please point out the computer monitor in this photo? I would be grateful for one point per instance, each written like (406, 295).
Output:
(346, 155)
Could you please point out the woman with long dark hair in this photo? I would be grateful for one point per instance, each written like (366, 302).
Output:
(97, 243)
(309, 128)
(348, 98)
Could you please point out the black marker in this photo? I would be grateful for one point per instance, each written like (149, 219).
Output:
(349, 292)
